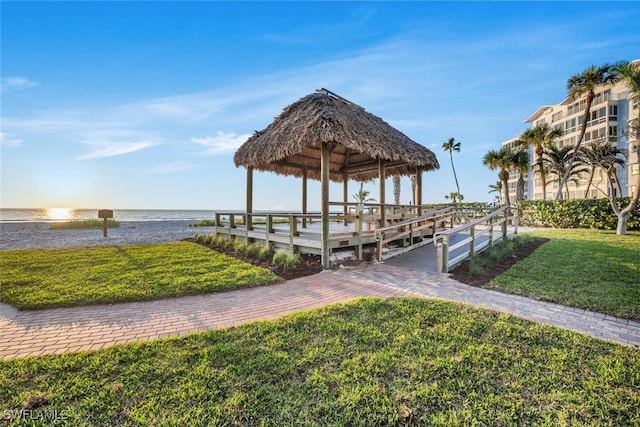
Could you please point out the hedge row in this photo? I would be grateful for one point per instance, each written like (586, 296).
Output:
(576, 213)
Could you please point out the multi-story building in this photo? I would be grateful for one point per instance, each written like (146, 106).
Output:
(610, 112)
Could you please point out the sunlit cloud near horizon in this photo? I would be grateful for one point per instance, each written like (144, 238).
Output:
(150, 117)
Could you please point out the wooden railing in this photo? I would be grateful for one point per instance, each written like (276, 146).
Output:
(411, 229)
(499, 219)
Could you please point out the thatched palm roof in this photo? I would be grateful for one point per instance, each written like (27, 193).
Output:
(357, 139)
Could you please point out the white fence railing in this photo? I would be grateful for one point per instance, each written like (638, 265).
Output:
(495, 226)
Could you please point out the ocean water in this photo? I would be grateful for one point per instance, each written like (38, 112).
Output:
(59, 214)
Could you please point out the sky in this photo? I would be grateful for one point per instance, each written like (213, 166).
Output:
(141, 105)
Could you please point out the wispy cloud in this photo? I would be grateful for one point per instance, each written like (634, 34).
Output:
(7, 140)
(16, 83)
(221, 143)
(100, 149)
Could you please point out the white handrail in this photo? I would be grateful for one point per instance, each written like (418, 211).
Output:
(444, 249)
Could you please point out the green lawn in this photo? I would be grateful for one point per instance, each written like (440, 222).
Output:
(590, 269)
(33, 279)
(369, 362)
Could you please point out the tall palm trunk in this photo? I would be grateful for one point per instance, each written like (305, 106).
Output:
(396, 189)
(455, 177)
(504, 177)
(583, 129)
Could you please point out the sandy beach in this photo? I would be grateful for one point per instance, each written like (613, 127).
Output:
(33, 235)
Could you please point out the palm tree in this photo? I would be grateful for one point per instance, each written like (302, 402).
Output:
(503, 160)
(520, 164)
(629, 72)
(455, 197)
(540, 167)
(585, 84)
(600, 154)
(396, 189)
(557, 162)
(539, 138)
(362, 196)
(496, 188)
(451, 146)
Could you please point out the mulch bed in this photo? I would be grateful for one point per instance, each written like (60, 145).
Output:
(309, 264)
(461, 272)
(312, 264)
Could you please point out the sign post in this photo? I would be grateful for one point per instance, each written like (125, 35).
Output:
(105, 214)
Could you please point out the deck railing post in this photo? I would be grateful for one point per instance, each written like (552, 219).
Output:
(445, 253)
(490, 231)
(379, 246)
(472, 244)
(293, 232)
(505, 223)
(439, 258)
(359, 235)
(249, 221)
(411, 234)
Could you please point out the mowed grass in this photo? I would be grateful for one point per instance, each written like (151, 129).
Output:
(404, 361)
(590, 269)
(35, 279)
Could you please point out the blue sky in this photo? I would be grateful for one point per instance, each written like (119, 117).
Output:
(142, 105)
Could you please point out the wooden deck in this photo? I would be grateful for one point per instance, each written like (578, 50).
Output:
(354, 229)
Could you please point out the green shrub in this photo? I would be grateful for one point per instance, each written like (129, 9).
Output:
(287, 261)
(204, 223)
(575, 213)
(252, 250)
(264, 252)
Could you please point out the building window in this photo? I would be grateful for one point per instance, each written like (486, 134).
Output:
(613, 113)
(635, 169)
(613, 131)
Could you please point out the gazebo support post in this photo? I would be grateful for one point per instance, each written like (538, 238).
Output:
(381, 173)
(324, 178)
(418, 195)
(345, 197)
(249, 219)
(304, 197)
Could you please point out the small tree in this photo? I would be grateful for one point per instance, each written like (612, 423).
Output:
(496, 188)
(540, 138)
(362, 196)
(455, 197)
(502, 159)
(557, 161)
(629, 72)
(600, 154)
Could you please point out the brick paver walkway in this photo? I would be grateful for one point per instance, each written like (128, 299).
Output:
(54, 331)
(60, 330)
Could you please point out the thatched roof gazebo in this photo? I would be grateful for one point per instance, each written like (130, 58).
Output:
(326, 137)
